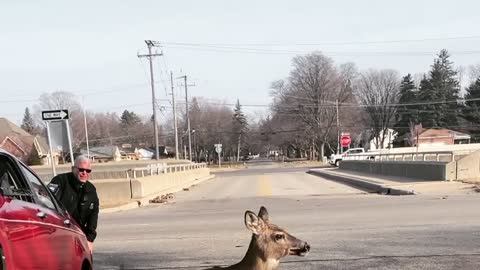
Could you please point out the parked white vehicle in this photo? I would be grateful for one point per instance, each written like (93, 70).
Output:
(335, 159)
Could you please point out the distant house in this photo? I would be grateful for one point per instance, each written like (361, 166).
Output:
(144, 154)
(22, 144)
(116, 153)
(163, 151)
(103, 153)
(442, 136)
(390, 136)
(128, 151)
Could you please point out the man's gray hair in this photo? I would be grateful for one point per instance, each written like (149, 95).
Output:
(81, 159)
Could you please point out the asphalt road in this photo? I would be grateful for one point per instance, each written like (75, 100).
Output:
(346, 228)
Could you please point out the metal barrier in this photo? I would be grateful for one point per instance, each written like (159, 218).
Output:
(162, 169)
(431, 156)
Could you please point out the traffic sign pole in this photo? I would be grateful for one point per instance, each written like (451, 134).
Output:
(55, 115)
(218, 149)
(52, 161)
(70, 143)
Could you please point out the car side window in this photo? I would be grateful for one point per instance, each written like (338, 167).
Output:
(11, 184)
(39, 189)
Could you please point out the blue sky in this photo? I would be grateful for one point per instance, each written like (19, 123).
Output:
(90, 47)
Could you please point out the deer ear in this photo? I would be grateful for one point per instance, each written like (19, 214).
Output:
(254, 223)
(263, 214)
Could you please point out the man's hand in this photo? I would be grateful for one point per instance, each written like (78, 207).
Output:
(90, 246)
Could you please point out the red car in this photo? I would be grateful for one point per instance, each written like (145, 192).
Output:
(36, 232)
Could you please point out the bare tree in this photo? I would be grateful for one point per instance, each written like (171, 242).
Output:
(310, 94)
(103, 128)
(377, 90)
(474, 72)
(61, 100)
(461, 74)
(417, 78)
(212, 122)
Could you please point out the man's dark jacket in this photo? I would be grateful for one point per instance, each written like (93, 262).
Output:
(80, 200)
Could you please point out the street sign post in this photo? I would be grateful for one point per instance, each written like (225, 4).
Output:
(218, 149)
(57, 115)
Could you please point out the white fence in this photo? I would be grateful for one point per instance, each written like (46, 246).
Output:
(431, 156)
(156, 169)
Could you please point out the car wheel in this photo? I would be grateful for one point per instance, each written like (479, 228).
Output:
(3, 262)
(337, 163)
(86, 266)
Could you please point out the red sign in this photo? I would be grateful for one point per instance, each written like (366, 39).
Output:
(345, 140)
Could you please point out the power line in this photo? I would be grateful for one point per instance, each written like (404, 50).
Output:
(17, 101)
(328, 43)
(331, 53)
(352, 105)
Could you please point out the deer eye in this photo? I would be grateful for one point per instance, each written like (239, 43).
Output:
(279, 236)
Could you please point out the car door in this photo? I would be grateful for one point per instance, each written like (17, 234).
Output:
(18, 217)
(55, 233)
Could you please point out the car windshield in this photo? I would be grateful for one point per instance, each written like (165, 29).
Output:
(262, 134)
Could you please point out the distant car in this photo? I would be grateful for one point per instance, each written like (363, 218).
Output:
(335, 159)
(36, 232)
(246, 158)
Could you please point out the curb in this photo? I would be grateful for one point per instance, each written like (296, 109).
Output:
(361, 184)
(136, 203)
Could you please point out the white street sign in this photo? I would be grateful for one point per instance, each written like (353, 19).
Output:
(218, 148)
(55, 115)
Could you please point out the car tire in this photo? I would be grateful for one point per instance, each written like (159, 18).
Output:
(337, 163)
(86, 266)
(3, 262)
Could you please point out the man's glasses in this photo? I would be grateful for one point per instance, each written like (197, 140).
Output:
(84, 170)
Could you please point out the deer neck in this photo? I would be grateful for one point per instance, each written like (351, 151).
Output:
(256, 259)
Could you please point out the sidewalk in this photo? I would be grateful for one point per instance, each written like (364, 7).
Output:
(391, 185)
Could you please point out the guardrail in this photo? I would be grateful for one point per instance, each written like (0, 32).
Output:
(162, 169)
(432, 156)
(153, 169)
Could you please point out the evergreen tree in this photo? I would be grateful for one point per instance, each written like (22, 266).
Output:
(471, 110)
(428, 115)
(195, 113)
(442, 85)
(240, 126)
(27, 123)
(129, 119)
(130, 124)
(406, 114)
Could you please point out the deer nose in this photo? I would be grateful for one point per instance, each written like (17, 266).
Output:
(306, 247)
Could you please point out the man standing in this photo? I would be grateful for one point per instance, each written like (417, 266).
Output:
(79, 196)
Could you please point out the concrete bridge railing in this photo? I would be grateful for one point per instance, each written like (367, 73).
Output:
(139, 183)
(431, 165)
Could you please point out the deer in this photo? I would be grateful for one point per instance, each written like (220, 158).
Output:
(268, 245)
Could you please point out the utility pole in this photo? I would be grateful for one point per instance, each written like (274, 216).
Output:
(188, 121)
(188, 118)
(150, 44)
(338, 129)
(85, 124)
(174, 116)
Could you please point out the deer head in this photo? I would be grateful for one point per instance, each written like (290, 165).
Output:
(272, 241)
